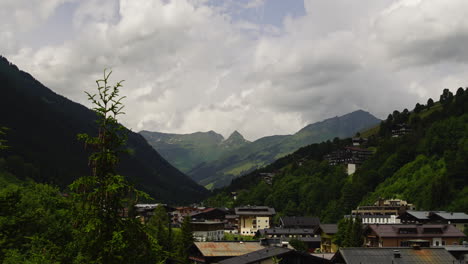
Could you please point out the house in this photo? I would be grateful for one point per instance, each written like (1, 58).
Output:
(460, 252)
(352, 157)
(407, 235)
(327, 233)
(211, 214)
(253, 218)
(310, 222)
(180, 213)
(358, 141)
(377, 219)
(267, 177)
(401, 130)
(309, 236)
(213, 252)
(457, 219)
(271, 254)
(207, 230)
(393, 255)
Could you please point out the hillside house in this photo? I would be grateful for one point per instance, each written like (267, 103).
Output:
(408, 235)
(401, 130)
(253, 218)
(382, 207)
(352, 157)
(146, 211)
(270, 254)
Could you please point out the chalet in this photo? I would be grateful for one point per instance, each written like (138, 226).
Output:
(460, 252)
(414, 217)
(401, 130)
(310, 222)
(309, 236)
(393, 255)
(213, 252)
(327, 233)
(270, 254)
(358, 141)
(211, 214)
(180, 213)
(253, 218)
(408, 235)
(353, 157)
(207, 230)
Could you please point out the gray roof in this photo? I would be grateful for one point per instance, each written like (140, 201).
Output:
(422, 215)
(329, 228)
(393, 230)
(255, 210)
(257, 255)
(299, 221)
(386, 256)
(287, 231)
(452, 216)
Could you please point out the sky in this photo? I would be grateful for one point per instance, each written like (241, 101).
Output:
(261, 67)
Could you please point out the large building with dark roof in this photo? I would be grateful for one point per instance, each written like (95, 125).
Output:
(407, 235)
(254, 218)
(393, 255)
(311, 222)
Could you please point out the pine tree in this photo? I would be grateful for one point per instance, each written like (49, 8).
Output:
(186, 240)
(105, 231)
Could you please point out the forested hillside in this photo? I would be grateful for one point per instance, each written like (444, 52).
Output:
(42, 134)
(428, 167)
(213, 162)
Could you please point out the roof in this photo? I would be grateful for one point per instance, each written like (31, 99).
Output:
(287, 231)
(452, 216)
(329, 228)
(386, 255)
(227, 249)
(258, 255)
(299, 221)
(255, 210)
(390, 230)
(421, 215)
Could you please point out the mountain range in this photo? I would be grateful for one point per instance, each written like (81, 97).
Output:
(213, 161)
(43, 128)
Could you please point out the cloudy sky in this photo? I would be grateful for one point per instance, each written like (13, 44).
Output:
(262, 67)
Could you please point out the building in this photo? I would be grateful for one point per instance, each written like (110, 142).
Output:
(253, 218)
(310, 222)
(208, 230)
(460, 252)
(267, 177)
(393, 255)
(271, 254)
(408, 235)
(358, 141)
(180, 213)
(327, 233)
(401, 130)
(352, 157)
(309, 236)
(457, 219)
(378, 219)
(213, 252)
(382, 207)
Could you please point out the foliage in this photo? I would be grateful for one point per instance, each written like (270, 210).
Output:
(350, 233)
(105, 229)
(428, 167)
(186, 239)
(298, 244)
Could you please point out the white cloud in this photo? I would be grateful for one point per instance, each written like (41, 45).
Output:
(189, 66)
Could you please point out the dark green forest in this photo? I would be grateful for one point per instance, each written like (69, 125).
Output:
(427, 167)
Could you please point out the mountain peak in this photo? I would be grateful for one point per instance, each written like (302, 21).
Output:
(235, 139)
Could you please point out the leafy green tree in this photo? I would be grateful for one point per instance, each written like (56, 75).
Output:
(105, 229)
(298, 244)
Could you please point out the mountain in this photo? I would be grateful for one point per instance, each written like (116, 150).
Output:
(216, 164)
(426, 165)
(43, 128)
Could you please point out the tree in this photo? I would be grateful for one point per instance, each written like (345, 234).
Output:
(3, 141)
(102, 233)
(186, 239)
(430, 103)
(298, 244)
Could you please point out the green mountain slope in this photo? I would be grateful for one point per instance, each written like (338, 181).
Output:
(263, 151)
(43, 127)
(427, 167)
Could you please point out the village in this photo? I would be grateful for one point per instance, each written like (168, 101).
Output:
(393, 230)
